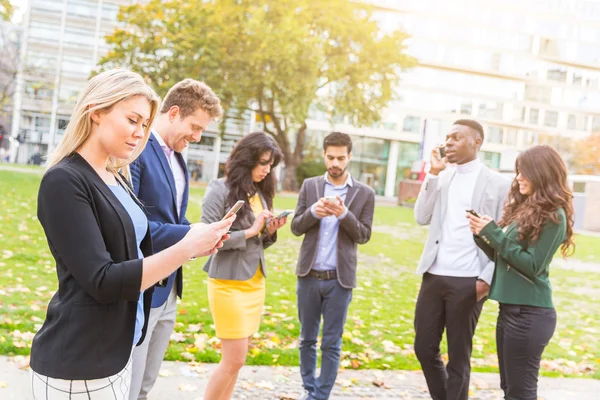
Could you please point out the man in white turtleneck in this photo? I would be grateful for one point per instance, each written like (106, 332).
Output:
(456, 273)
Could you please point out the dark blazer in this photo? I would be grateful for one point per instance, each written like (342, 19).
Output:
(522, 274)
(239, 257)
(154, 185)
(89, 326)
(354, 229)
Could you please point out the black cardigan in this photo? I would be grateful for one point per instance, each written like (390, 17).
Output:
(89, 326)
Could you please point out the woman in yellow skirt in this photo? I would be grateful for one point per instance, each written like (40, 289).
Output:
(236, 284)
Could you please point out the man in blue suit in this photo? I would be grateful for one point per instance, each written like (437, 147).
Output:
(160, 180)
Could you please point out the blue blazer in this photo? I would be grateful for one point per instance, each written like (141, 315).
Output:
(154, 185)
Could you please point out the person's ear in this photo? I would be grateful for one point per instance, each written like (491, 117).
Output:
(96, 115)
(173, 113)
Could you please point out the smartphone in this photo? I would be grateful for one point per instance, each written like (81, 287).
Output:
(442, 151)
(473, 212)
(236, 207)
(331, 199)
(285, 213)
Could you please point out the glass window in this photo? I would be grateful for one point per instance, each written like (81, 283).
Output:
(42, 31)
(494, 134)
(77, 66)
(47, 5)
(110, 11)
(572, 122)
(596, 124)
(491, 159)
(534, 116)
(466, 108)
(408, 153)
(38, 90)
(61, 123)
(369, 163)
(511, 137)
(412, 124)
(40, 62)
(82, 8)
(42, 123)
(559, 75)
(68, 93)
(490, 109)
(80, 37)
(551, 119)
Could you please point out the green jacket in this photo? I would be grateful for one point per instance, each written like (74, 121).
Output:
(522, 268)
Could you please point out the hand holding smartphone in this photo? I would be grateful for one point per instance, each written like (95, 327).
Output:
(233, 210)
(442, 151)
(331, 199)
(474, 213)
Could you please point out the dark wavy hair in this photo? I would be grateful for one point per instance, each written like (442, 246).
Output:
(546, 172)
(238, 170)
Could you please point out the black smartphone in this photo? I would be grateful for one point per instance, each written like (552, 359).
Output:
(442, 151)
(473, 212)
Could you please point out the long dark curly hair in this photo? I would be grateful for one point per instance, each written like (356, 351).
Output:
(238, 170)
(546, 172)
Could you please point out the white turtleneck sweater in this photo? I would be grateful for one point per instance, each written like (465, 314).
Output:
(457, 254)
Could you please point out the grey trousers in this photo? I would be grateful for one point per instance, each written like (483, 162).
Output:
(148, 357)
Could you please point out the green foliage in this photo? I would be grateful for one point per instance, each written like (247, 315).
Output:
(276, 57)
(6, 10)
(308, 169)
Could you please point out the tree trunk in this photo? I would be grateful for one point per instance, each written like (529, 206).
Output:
(293, 160)
(290, 182)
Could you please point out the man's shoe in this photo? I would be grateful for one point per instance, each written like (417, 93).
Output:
(304, 396)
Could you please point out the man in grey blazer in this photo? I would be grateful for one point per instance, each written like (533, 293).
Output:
(335, 214)
(456, 273)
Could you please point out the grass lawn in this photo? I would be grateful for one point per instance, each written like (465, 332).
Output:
(379, 329)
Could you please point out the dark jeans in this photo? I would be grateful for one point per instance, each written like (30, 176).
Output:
(450, 303)
(329, 299)
(522, 334)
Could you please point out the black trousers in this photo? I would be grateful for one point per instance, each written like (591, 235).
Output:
(522, 334)
(450, 303)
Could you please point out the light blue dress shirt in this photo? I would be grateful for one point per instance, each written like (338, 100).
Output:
(140, 223)
(326, 259)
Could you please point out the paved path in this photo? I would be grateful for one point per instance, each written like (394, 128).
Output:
(182, 381)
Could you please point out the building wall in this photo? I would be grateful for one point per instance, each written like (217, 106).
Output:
(63, 43)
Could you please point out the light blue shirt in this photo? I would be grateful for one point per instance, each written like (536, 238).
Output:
(328, 232)
(140, 223)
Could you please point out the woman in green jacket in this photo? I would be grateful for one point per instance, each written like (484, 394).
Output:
(537, 220)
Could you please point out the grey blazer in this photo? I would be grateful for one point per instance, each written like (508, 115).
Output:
(354, 229)
(489, 196)
(239, 257)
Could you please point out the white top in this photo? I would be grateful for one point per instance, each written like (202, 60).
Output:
(176, 169)
(457, 254)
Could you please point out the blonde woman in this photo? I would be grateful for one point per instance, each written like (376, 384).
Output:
(98, 235)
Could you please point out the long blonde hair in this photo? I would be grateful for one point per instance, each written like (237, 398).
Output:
(102, 93)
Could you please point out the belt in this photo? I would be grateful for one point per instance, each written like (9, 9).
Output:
(323, 275)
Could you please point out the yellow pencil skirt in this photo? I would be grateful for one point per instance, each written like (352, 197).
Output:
(236, 306)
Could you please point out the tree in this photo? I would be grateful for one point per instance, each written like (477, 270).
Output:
(586, 155)
(6, 9)
(276, 57)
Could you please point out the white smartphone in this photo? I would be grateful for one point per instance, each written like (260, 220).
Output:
(236, 207)
(331, 199)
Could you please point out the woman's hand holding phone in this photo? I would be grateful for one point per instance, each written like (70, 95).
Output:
(477, 222)
(258, 224)
(206, 239)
